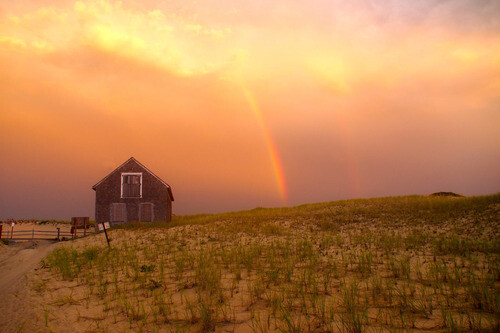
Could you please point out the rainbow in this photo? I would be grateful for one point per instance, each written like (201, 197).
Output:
(271, 145)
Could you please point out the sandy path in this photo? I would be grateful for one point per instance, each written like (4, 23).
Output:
(16, 310)
(18, 260)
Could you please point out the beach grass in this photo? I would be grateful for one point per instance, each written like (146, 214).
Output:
(385, 264)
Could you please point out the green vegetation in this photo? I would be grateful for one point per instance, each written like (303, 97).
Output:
(388, 264)
(407, 209)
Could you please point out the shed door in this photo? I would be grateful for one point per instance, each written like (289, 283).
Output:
(146, 212)
(118, 212)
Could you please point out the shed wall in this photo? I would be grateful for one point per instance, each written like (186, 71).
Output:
(153, 191)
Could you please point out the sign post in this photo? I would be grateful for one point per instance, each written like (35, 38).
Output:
(12, 229)
(104, 226)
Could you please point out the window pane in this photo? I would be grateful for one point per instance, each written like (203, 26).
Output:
(126, 191)
(135, 190)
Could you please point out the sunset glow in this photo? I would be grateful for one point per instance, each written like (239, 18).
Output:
(239, 104)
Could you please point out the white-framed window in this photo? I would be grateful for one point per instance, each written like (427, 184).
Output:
(131, 186)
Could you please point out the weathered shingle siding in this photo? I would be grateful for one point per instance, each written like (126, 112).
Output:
(153, 191)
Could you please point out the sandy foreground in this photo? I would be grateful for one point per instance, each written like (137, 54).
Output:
(349, 267)
(18, 260)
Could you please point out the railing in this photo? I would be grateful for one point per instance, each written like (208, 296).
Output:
(36, 234)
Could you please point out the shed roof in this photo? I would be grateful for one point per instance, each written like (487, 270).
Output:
(169, 189)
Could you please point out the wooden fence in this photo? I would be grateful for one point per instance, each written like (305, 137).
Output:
(34, 234)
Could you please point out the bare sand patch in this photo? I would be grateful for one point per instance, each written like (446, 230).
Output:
(17, 260)
(16, 308)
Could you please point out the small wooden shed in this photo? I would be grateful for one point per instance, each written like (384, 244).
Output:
(132, 193)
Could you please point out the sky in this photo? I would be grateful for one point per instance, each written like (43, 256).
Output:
(242, 104)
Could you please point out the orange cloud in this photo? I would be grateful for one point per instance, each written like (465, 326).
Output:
(334, 93)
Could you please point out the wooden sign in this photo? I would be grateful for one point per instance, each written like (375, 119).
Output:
(79, 223)
(106, 225)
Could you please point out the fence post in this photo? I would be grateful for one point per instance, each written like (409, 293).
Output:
(58, 232)
(1, 227)
(33, 233)
(11, 231)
